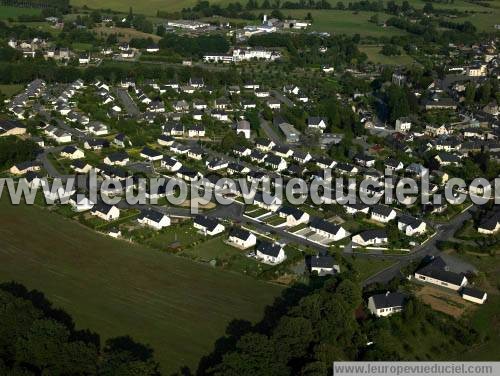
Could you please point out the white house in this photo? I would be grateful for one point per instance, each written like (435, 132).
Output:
(323, 265)
(243, 127)
(382, 305)
(327, 229)
(242, 238)
(411, 226)
(371, 238)
(117, 159)
(293, 216)
(80, 204)
(268, 202)
(151, 155)
(438, 273)
(474, 295)
(403, 125)
(270, 253)
(318, 123)
(208, 226)
(382, 213)
(171, 164)
(72, 152)
(105, 212)
(153, 219)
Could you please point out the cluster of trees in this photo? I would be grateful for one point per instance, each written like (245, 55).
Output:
(37, 339)
(329, 324)
(390, 50)
(482, 94)
(14, 150)
(194, 46)
(400, 102)
(303, 48)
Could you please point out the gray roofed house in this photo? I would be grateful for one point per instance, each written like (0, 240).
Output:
(438, 273)
(386, 304)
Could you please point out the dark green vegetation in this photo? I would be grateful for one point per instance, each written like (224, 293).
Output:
(175, 305)
(37, 339)
(328, 324)
(13, 150)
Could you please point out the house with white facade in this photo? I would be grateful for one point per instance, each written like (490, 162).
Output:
(387, 304)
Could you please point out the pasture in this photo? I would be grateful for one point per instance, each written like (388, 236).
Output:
(374, 55)
(7, 12)
(177, 306)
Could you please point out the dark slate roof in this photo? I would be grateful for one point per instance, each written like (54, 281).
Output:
(409, 220)
(290, 210)
(389, 299)
(438, 269)
(322, 261)
(269, 248)
(102, 207)
(24, 165)
(7, 125)
(382, 210)
(209, 223)
(98, 142)
(69, 149)
(153, 215)
(187, 172)
(150, 152)
(469, 291)
(239, 233)
(118, 156)
(273, 160)
(79, 163)
(323, 225)
(169, 161)
(373, 234)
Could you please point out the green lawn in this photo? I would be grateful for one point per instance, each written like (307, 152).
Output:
(7, 12)
(367, 267)
(113, 287)
(374, 55)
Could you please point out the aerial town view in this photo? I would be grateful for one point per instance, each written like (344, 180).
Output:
(253, 187)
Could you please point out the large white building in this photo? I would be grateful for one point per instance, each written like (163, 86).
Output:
(243, 54)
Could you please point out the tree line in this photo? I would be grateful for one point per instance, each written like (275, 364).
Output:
(38, 339)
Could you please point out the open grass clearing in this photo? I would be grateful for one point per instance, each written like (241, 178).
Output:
(115, 288)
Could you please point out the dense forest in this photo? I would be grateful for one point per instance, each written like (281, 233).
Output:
(331, 324)
(37, 339)
(14, 150)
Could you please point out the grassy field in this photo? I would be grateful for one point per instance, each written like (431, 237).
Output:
(486, 319)
(177, 306)
(13, 12)
(374, 55)
(10, 90)
(147, 7)
(345, 22)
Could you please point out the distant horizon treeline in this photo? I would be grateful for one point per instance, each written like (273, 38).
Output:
(61, 5)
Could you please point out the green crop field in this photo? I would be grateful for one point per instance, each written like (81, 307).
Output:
(374, 55)
(115, 288)
(13, 12)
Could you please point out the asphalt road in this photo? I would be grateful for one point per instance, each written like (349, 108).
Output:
(127, 102)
